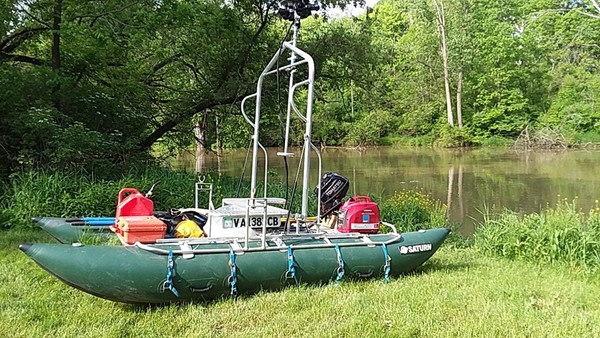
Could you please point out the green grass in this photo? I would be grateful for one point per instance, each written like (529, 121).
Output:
(413, 210)
(563, 233)
(458, 293)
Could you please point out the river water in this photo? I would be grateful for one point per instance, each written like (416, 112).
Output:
(467, 181)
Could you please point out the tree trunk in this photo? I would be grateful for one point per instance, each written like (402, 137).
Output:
(56, 61)
(219, 144)
(459, 100)
(441, 23)
(218, 137)
(199, 136)
(172, 122)
(460, 192)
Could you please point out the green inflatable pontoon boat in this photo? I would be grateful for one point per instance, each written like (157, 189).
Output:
(246, 244)
(204, 269)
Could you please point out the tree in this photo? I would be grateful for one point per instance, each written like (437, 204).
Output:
(110, 79)
(441, 24)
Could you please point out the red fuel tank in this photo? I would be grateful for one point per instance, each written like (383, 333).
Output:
(133, 204)
(359, 214)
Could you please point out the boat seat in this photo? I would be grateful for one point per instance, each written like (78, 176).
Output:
(236, 247)
(186, 250)
(368, 240)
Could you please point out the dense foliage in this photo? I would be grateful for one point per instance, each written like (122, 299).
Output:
(98, 84)
(413, 210)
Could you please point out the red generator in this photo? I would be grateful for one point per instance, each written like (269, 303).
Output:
(359, 214)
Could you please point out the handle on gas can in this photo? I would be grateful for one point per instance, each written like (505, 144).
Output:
(361, 198)
(127, 190)
(116, 229)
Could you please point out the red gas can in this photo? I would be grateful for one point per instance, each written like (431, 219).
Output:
(134, 204)
(359, 214)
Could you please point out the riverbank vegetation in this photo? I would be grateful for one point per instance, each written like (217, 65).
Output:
(108, 84)
(65, 194)
(519, 275)
(563, 233)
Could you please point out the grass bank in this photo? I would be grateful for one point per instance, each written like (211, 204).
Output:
(61, 194)
(562, 233)
(459, 292)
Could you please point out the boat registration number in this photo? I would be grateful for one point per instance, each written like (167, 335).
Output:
(255, 222)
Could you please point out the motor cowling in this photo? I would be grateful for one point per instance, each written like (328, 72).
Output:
(333, 190)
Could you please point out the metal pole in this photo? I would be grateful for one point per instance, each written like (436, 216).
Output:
(257, 122)
(291, 85)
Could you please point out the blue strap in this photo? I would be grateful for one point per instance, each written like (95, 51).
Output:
(291, 272)
(340, 269)
(388, 260)
(98, 219)
(233, 276)
(169, 282)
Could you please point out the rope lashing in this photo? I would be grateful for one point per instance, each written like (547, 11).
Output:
(233, 276)
(291, 272)
(388, 260)
(340, 269)
(169, 280)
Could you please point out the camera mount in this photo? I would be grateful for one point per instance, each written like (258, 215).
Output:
(296, 10)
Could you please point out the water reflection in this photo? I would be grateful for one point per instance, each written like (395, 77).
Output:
(468, 181)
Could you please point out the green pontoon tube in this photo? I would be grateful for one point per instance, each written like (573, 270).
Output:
(204, 270)
(73, 230)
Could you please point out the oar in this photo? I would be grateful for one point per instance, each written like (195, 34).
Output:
(100, 221)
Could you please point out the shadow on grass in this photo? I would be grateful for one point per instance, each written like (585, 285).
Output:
(143, 308)
(435, 265)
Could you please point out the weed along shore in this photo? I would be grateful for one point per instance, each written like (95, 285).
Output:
(534, 275)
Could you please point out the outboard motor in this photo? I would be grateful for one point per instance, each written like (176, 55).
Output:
(333, 190)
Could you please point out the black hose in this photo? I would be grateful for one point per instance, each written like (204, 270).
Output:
(237, 193)
(287, 220)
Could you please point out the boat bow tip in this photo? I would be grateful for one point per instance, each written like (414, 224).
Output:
(36, 219)
(24, 247)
